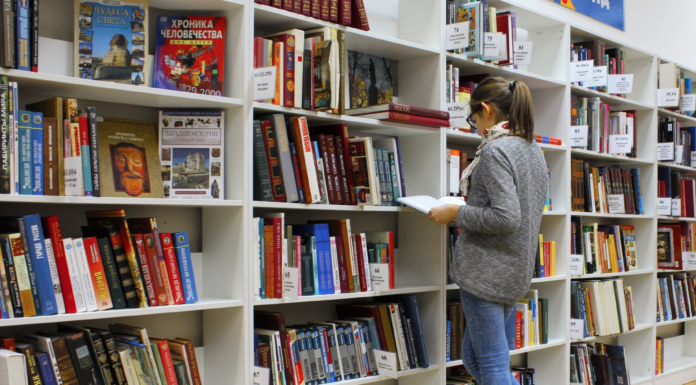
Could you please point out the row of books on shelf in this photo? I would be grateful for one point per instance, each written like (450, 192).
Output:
(605, 248)
(614, 59)
(674, 241)
(323, 165)
(669, 76)
(341, 349)
(345, 12)
(675, 296)
(116, 264)
(330, 258)
(121, 355)
(680, 188)
(458, 375)
(598, 363)
(683, 140)
(607, 190)
(605, 306)
(602, 124)
(54, 148)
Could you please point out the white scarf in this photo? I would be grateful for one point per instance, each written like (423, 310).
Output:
(498, 131)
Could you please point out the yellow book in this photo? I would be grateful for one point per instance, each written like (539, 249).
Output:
(611, 245)
(553, 258)
(22, 272)
(541, 252)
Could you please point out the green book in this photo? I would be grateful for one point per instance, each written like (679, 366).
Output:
(544, 307)
(158, 362)
(307, 267)
(111, 271)
(181, 373)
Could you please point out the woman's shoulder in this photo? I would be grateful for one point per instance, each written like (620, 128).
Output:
(509, 143)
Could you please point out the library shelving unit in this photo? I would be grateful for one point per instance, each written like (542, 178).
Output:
(221, 323)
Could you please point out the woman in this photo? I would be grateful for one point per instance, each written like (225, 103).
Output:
(505, 187)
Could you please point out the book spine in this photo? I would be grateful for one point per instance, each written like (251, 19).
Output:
(85, 155)
(360, 21)
(6, 310)
(158, 270)
(114, 358)
(111, 272)
(183, 255)
(32, 367)
(297, 6)
(78, 289)
(37, 264)
(278, 261)
(101, 357)
(264, 192)
(23, 48)
(46, 369)
(37, 165)
(328, 169)
(277, 3)
(133, 264)
(123, 268)
(307, 7)
(193, 363)
(85, 275)
(166, 357)
(5, 158)
(415, 119)
(139, 245)
(8, 34)
(394, 181)
(34, 36)
(284, 158)
(296, 173)
(172, 268)
(25, 156)
(14, 136)
(93, 150)
(316, 9)
(12, 278)
(278, 61)
(50, 157)
(57, 288)
(344, 10)
(306, 157)
(420, 111)
(289, 71)
(287, 5)
(325, 9)
(333, 11)
(96, 268)
(273, 161)
(307, 76)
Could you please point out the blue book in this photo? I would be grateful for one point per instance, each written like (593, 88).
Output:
(39, 261)
(86, 158)
(362, 334)
(25, 156)
(687, 91)
(328, 365)
(410, 305)
(584, 313)
(320, 280)
(48, 376)
(313, 251)
(183, 256)
(617, 364)
(328, 260)
(262, 261)
(256, 349)
(449, 329)
(23, 48)
(37, 165)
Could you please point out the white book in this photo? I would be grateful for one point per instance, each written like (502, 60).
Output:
(73, 176)
(256, 245)
(353, 261)
(366, 261)
(621, 299)
(43, 344)
(75, 281)
(455, 175)
(334, 265)
(333, 347)
(359, 341)
(54, 276)
(399, 336)
(128, 368)
(424, 203)
(335, 73)
(144, 339)
(354, 244)
(304, 150)
(85, 275)
(13, 368)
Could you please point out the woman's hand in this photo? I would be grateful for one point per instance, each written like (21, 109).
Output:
(444, 214)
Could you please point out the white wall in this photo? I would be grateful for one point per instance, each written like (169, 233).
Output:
(663, 27)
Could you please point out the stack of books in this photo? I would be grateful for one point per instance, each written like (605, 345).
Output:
(675, 296)
(598, 363)
(606, 306)
(403, 113)
(345, 12)
(593, 186)
(606, 248)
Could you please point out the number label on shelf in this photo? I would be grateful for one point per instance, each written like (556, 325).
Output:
(458, 36)
(689, 260)
(678, 153)
(264, 83)
(664, 206)
(523, 52)
(493, 47)
(676, 207)
(620, 144)
(598, 79)
(581, 71)
(616, 204)
(458, 114)
(386, 363)
(668, 97)
(620, 84)
(665, 151)
(379, 274)
(578, 136)
(693, 157)
(290, 282)
(688, 102)
(261, 375)
(577, 329)
(576, 262)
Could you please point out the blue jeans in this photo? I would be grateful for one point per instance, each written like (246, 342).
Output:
(488, 337)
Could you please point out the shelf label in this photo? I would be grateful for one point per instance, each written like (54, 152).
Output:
(577, 329)
(264, 83)
(73, 176)
(688, 102)
(678, 153)
(693, 158)
(457, 36)
(668, 97)
(576, 264)
(620, 84)
(386, 363)
(665, 151)
(290, 282)
(689, 260)
(616, 204)
(523, 52)
(676, 207)
(578, 136)
(581, 71)
(458, 114)
(664, 206)
(493, 46)
(620, 144)
(379, 274)
(598, 79)
(261, 375)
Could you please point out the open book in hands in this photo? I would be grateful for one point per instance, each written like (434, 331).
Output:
(424, 203)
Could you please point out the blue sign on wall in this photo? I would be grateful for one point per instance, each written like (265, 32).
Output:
(609, 12)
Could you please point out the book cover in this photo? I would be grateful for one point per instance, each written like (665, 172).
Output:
(7, 53)
(111, 42)
(190, 54)
(192, 154)
(33, 370)
(129, 159)
(5, 154)
(22, 37)
(323, 89)
(48, 377)
(363, 168)
(172, 268)
(37, 166)
(85, 275)
(96, 268)
(372, 80)
(183, 256)
(141, 252)
(86, 369)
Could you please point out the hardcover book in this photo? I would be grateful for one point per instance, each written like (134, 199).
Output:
(111, 40)
(128, 159)
(192, 154)
(372, 80)
(190, 54)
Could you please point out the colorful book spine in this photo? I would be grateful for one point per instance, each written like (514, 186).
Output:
(78, 290)
(85, 275)
(27, 306)
(96, 268)
(93, 150)
(23, 49)
(141, 252)
(57, 288)
(111, 272)
(183, 256)
(25, 153)
(172, 268)
(33, 232)
(85, 155)
(37, 166)
(5, 143)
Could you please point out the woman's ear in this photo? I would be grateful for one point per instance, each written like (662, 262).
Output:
(487, 110)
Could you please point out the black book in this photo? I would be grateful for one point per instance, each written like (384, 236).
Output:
(32, 366)
(112, 353)
(7, 53)
(262, 175)
(307, 80)
(97, 351)
(11, 276)
(86, 369)
(408, 338)
(110, 268)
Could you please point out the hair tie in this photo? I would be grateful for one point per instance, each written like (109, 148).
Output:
(512, 85)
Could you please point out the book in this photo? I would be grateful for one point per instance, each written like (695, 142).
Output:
(172, 268)
(33, 370)
(183, 256)
(86, 369)
(145, 268)
(141, 334)
(262, 181)
(75, 277)
(160, 348)
(373, 83)
(85, 275)
(14, 370)
(85, 154)
(155, 249)
(23, 36)
(398, 107)
(98, 276)
(190, 54)
(5, 145)
(111, 42)
(129, 168)
(398, 117)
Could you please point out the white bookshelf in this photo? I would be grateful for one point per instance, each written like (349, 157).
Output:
(221, 323)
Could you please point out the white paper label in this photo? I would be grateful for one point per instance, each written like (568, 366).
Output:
(73, 176)
(458, 114)
(620, 144)
(689, 260)
(492, 46)
(599, 78)
(668, 97)
(458, 36)
(386, 363)
(665, 151)
(688, 102)
(290, 282)
(581, 70)
(664, 206)
(620, 84)
(264, 83)
(616, 204)
(261, 375)
(379, 274)
(693, 158)
(577, 329)
(523, 52)
(576, 263)
(676, 207)
(678, 153)
(578, 136)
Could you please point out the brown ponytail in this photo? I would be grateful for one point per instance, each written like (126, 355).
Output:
(511, 101)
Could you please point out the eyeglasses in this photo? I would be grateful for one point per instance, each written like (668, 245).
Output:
(471, 120)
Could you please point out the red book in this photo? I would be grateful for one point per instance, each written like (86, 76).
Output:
(324, 9)
(506, 24)
(288, 87)
(268, 242)
(158, 273)
(341, 130)
(307, 7)
(258, 52)
(51, 229)
(287, 5)
(359, 19)
(342, 272)
(344, 12)
(518, 330)
(333, 11)
(326, 162)
(149, 226)
(96, 270)
(547, 259)
(84, 131)
(336, 175)
(273, 159)
(361, 266)
(316, 9)
(8, 343)
(401, 108)
(297, 6)
(166, 356)
(139, 245)
(191, 360)
(172, 268)
(277, 3)
(408, 119)
(277, 257)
